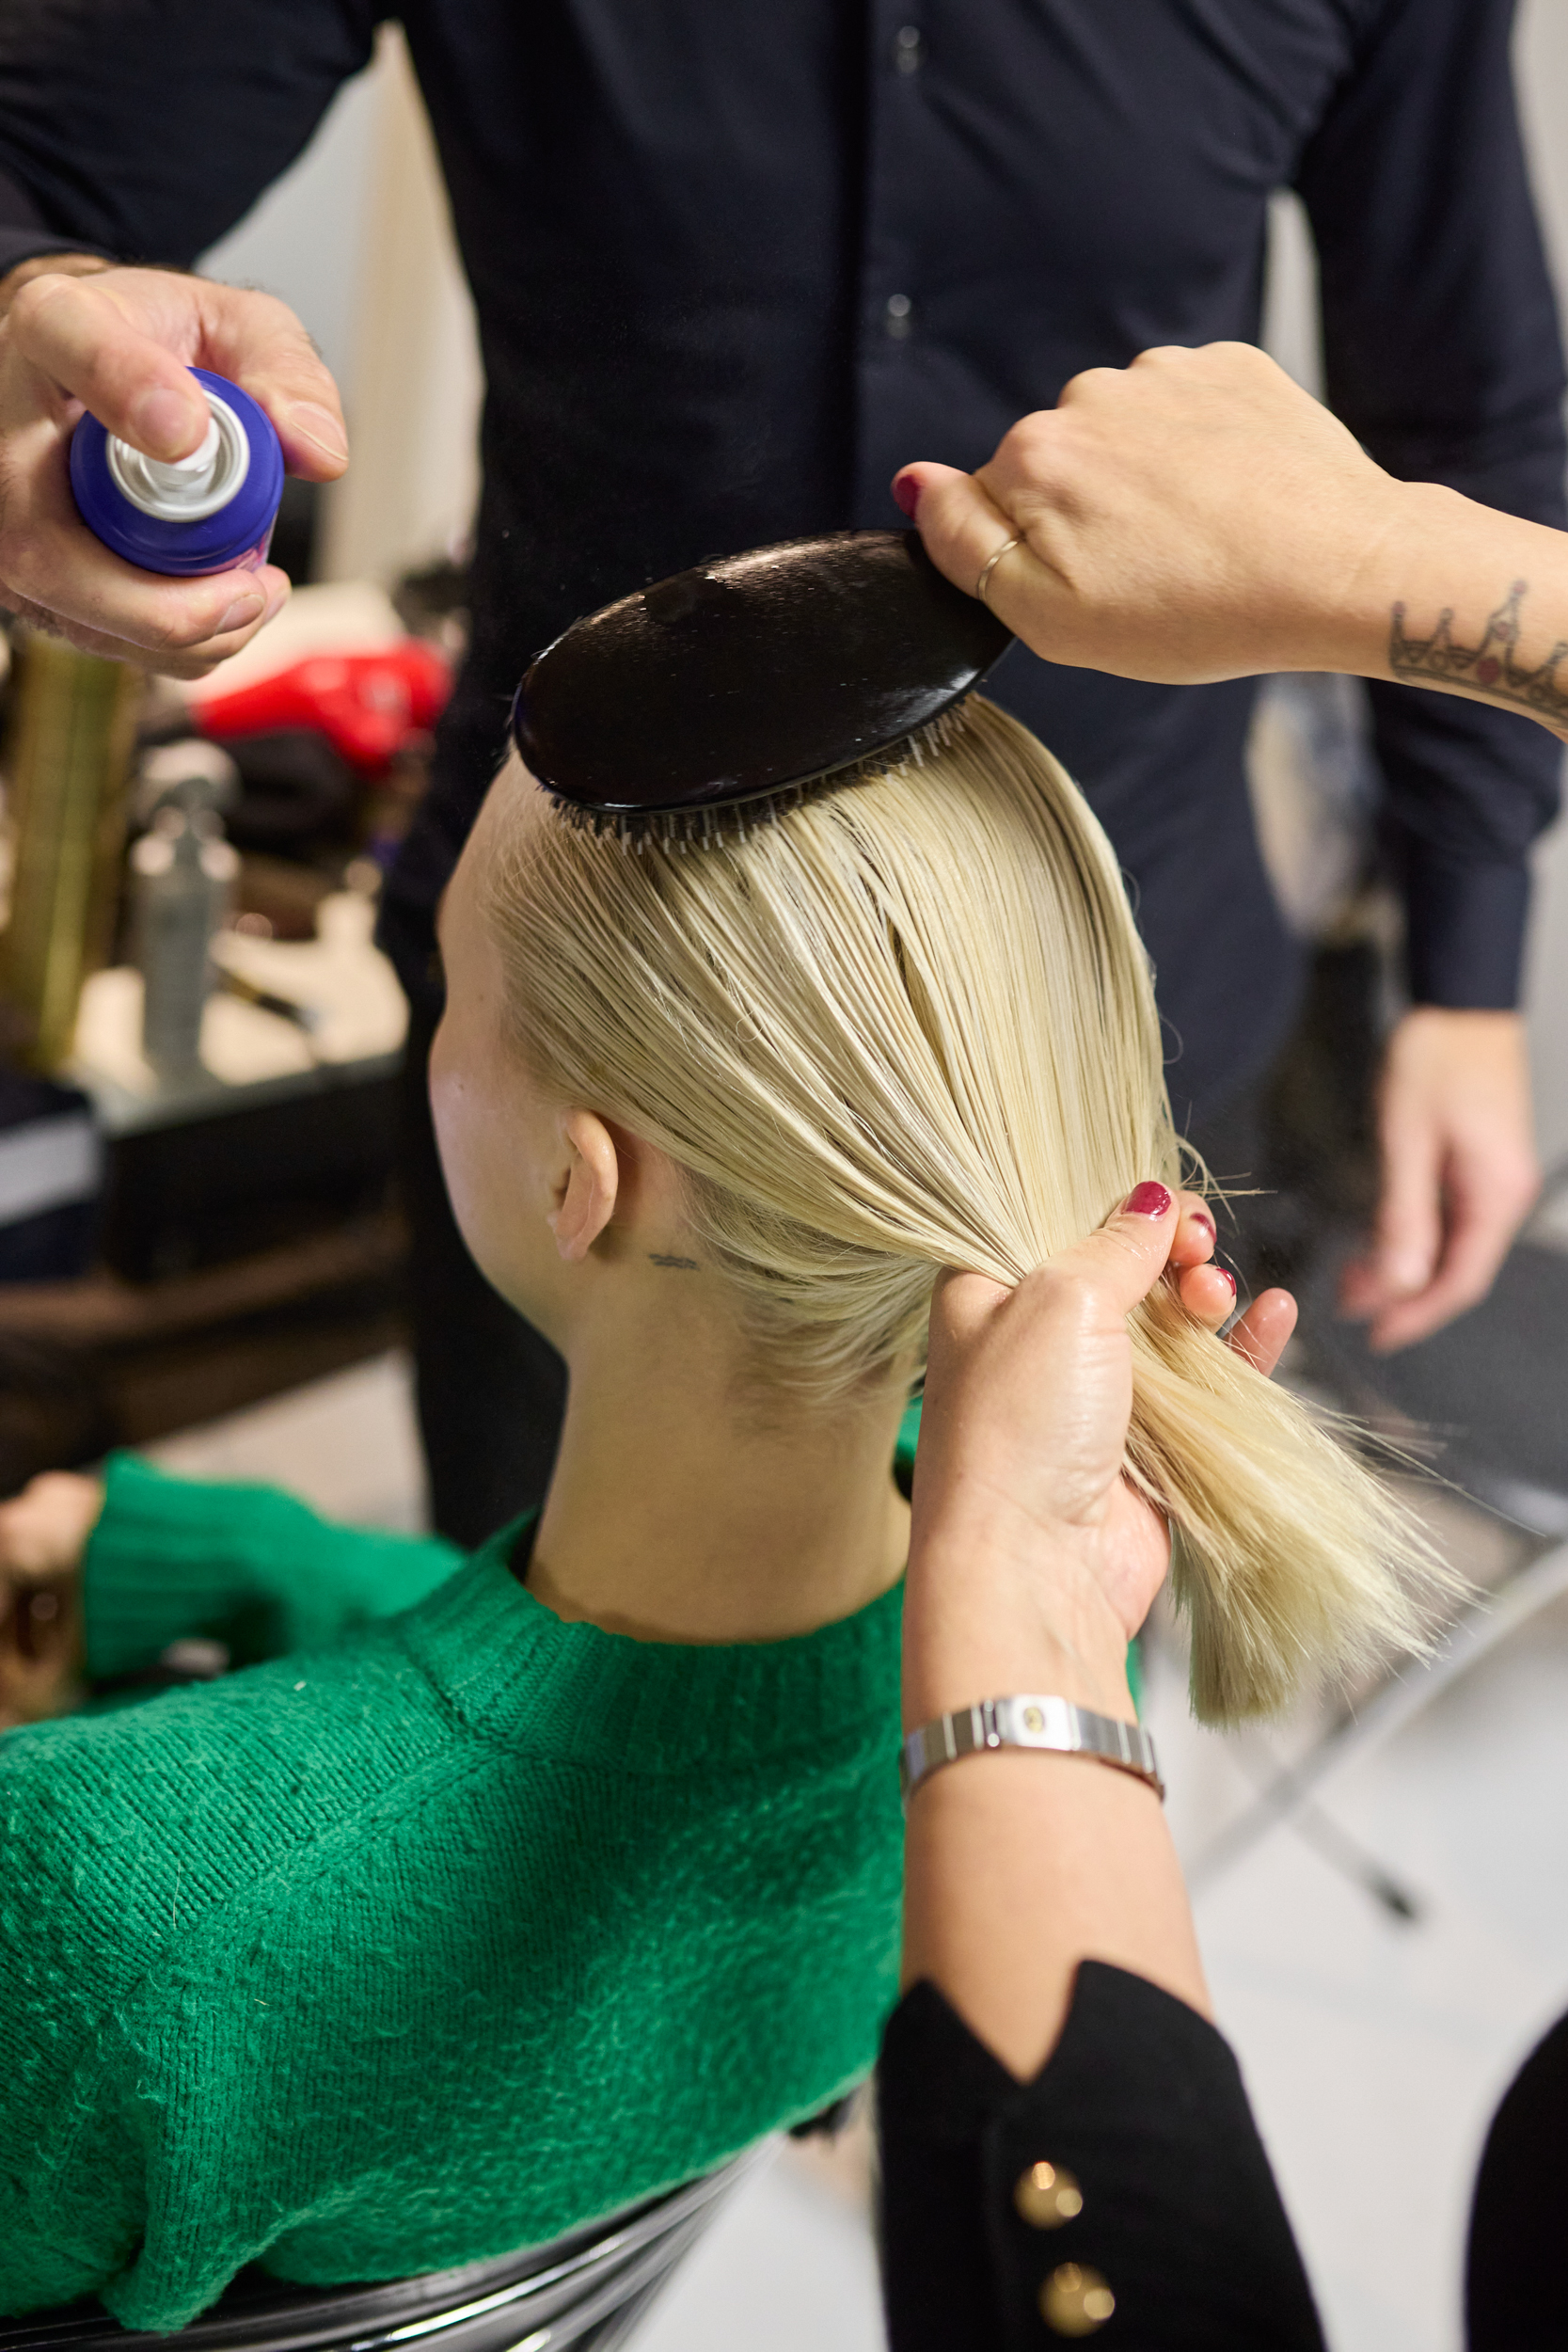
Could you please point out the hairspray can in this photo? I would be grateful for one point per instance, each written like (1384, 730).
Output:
(205, 513)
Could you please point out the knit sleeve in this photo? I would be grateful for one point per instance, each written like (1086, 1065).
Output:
(245, 1566)
(71, 2167)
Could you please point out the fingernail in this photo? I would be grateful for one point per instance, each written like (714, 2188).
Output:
(240, 614)
(1226, 1276)
(906, 489)
(165, 424)
(320, 427)
(1147, 1200)
(275, 602)
(1201, 1216)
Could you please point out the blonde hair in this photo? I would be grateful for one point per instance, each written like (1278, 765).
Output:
(910, 1024)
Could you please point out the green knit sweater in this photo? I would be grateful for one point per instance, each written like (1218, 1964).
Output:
(449, 1930)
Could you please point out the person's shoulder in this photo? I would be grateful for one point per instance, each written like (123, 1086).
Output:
(122, 1826)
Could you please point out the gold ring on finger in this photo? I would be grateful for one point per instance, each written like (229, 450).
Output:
(991, 562)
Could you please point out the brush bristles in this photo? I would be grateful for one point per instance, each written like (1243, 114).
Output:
(727, 824)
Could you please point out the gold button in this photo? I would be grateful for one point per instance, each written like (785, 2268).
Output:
(1046, 2195)
(1074, 2301)
(1034, 1718)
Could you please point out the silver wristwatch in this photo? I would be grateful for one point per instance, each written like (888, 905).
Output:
(1027, 1721)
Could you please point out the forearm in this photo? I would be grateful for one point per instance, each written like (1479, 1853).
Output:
(248, 1566)
(1453, 597)
(1198, 515)
(1020, 1866)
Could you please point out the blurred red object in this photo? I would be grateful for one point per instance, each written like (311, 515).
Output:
(366, 705)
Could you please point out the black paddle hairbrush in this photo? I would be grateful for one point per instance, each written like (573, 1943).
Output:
(746, 681)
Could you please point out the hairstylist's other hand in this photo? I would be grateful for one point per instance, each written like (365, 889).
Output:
(75, 336)
(1019, 1500)
(1459, 1171)
(43, 1535)
(1196, 516)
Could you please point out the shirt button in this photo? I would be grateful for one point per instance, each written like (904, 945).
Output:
(898, 318)
(1075, 2300)
(909, 50)
(1046, 2195)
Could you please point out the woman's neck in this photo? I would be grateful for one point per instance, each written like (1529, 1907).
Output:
(675, 1513)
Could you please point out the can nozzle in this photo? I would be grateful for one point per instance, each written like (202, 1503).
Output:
(183, 490)
(188, 477)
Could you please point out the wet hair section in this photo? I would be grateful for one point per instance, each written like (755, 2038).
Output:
(910, 1024)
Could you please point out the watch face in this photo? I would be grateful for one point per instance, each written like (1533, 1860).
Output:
(750, 674)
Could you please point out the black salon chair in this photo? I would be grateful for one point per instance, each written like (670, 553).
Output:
(586, 2291)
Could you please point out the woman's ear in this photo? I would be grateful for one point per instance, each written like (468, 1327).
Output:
(592, 1186)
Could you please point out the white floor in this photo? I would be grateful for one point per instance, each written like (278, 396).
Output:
(348, 1445)
(1374, 2048)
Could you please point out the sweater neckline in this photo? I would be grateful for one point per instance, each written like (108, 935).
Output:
(512, 1668)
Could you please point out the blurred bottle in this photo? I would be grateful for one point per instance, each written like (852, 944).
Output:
(68, 752)
(183, 877)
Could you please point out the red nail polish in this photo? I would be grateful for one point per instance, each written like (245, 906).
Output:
(1201, 1216)
(1147, 1200)
(1223, 1271)
(906, 489)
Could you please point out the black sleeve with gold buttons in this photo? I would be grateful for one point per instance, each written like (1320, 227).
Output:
(1122, 2196)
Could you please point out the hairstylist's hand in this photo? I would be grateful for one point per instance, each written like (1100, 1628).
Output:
(1459, 1171)
(1195, 516)
(43, 1535)
(1022, 1518)
(75, 336)
(1030, 1561)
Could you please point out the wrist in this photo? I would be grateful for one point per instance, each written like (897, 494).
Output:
(983, 1618)
(1428, 548)
(1350, 630)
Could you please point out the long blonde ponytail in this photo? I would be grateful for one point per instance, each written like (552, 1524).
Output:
(910, 1024)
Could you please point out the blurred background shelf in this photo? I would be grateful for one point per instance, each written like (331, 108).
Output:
(102, 1360)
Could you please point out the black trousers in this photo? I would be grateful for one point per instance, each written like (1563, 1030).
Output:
(490, 1391)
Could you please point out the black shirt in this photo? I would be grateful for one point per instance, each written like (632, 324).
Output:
(734, 266)
(1140, 2110)
(1172, 2215)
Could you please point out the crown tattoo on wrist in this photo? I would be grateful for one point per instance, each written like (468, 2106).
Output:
(1490, 668)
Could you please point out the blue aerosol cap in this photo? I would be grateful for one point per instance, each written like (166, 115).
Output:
(203, 513)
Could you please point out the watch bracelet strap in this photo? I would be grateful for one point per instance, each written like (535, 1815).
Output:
(1027, 1720)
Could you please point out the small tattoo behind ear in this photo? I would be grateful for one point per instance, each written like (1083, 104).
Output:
(681, 1266)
